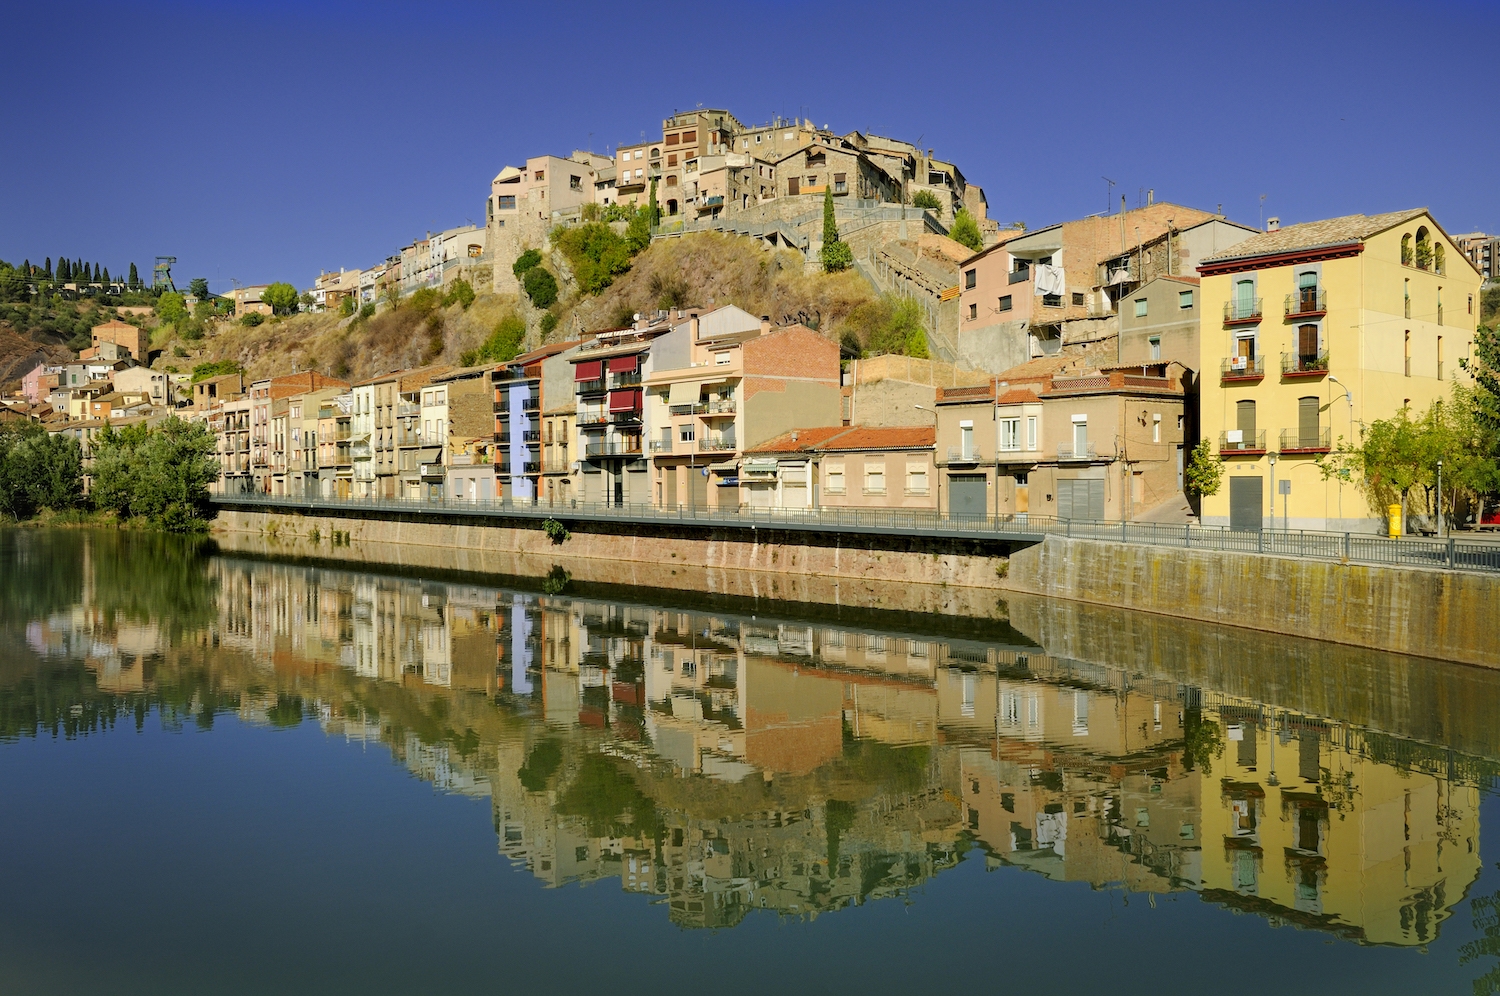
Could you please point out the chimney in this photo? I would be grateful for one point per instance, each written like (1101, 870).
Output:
(765, 324)
(1150, 196)
(1273, 224)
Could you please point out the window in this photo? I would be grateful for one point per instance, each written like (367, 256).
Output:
(1080, 435)
(970, 276)
(1031, 432)
(575, 183)
(1140, 307)
(966, 439)
(793, 185)
(671, 140)
(1406, 296)
(1010, 433)
(916, 479)
(689, 137)
(874, 478)
(638, 174)
(973, 312)
(721, 359)
(1184, 299)
(672, 180)
(541, 175)
(836, 478)
(1077, 298)
(685, 433)
(1439, 357)
(1052, 300)
(1155, 343)
(507, 202)
(1156, 428)
(840, 183)
(1005, 303)
(672, 160)
(1406, 249)
(638, 153)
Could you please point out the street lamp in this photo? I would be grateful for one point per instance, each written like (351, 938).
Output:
(1440, 499)
(1273, 490)
(937, 484)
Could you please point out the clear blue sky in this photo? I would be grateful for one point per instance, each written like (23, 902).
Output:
(267, 141)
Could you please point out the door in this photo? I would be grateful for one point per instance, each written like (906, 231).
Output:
(1307, 422)
(760, 495)
(1245, 504)
(698, 487)
(669, 487)
(617, 482)
(1080, 500)
(1307, 346)
(1244, 420)
(1023, 497)
(967, 495)
(794, 185)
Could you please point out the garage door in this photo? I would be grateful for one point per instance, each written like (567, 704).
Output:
(698, 487)
(1080, 500)
(761, 495)
(1245, 503)
(966, 495)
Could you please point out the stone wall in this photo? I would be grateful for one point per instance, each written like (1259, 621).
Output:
(1449, 615)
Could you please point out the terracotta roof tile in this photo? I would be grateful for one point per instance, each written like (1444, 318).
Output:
(1329, 232)
(905, 437)
(1017, 396)
(805, 440)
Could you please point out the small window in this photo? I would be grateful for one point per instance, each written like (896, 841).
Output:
(1140, 307)
(721, 359)
(1031, 432)
(672, 160)
(1052, 300)
(1155, 342)
(685, 433)
(507, 202)
(671, 140)
(970, 276)
(1156, 428)
(541, 175)
(836, 478)
(1184, 299)
(1010, 433)
(875, 478)
(1077, 298)
(575, 182)
(840, 183)
(973, 312)
(638, 154)
(689, 137)
(1005, 303)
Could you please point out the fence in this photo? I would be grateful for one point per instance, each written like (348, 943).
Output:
(1449, 553)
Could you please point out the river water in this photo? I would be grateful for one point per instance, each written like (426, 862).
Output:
(221, 773)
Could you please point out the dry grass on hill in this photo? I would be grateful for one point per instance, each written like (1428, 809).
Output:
(708, 270)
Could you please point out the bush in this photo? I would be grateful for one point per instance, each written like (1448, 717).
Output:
(503, 345)
(549, 323)
(346, 307)
(161, 473)
(218, 368)
(367, 310)
(556, 531)
(250, 319)
(596, 254)
(524, 262)
(171, 308)
(965, 231)
(926, 199)
(191, 329)
(425, 299)
(837, 257)
(461, 293)
(540, 286)
(887, 325)
(1203, 473)
(638, 235)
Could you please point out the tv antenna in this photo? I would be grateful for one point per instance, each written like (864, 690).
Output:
(1109, 193)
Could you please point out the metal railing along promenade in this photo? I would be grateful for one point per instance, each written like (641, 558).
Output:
(1450, 553)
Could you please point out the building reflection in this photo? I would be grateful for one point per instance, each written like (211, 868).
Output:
(721, 763)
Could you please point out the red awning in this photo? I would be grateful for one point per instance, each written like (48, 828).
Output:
(592, 370)
(624, 364)
(625, 401)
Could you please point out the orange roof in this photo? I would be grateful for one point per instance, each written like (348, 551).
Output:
(798, 440)
(903, 437)
(1017, 396)
(981, 393)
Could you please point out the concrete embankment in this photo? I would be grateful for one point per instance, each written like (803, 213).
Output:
(1449, 615)
(1425, 613)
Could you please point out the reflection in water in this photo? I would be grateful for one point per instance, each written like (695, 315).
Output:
(722, 763)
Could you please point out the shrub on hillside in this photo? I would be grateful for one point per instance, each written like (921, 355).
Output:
(596, 254)
(549, 322)
(525, 262)
(886, 325)
(965, 231)
(926, 199)
(425, 299)
(282, 298)
(250, 319)
(503, 345)
(367, 310)
(540, 286)
(460, 293)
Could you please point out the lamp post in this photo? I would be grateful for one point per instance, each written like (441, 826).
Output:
(1440, 499)
(937, 485)
(1273, 490)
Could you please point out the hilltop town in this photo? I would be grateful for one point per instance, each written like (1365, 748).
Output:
(782, 316)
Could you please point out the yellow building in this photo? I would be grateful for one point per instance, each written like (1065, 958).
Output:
(1312, 331)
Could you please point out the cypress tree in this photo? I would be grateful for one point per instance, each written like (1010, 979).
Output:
(64, 270)
(96, 273)
(27, 266)
(48, 271)
(135, 278)
(106, 276)
(836, 254)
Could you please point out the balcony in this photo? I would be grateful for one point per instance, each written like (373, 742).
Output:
(593, 420)
(1237, 442)
(1298, 365)
(1305, 441)
(1242, 368)
(715, 443)
(618, 447)
(532, 403)
(622, 380)
(531, 467)
(1307, 304)
(1242, 312)
(960, 455)
(407, 409)
(1019, 276)
(1072, 451)
(625, 417)
(555, 466)
(661, 446)
(360, 450)
(532, 437)
(719, 408)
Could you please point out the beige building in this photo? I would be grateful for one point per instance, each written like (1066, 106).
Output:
(842, 467)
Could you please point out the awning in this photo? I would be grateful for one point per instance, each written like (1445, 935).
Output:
(758, 467)
(430, 454)
(624, 364)
(685, 393)
(592, 370)
(625, 401)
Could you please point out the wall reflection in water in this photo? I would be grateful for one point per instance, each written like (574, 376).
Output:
(722, 762)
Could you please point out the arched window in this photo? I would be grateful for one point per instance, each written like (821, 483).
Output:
(1439, 259)
(655, 152)
(1424, 248)
(1406, 249)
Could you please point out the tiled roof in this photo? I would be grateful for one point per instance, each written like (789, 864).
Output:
(1041, 366)
(805, 440)
(1017, 396)
(1327, 233)
(904, 437)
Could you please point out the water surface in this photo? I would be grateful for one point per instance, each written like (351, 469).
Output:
(223, 774)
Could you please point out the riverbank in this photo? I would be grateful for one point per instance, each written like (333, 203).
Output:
(1420, 612)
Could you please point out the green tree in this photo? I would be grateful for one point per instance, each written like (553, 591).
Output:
(198, 287)
(503, 345)
(160, 473)
(524, 262)
(461, 293)
(889, 324)
(171, 308)
(965, 231)
(217, 368)
(282, 298)
(595, 252)
(38, 470)
(134, 282)
(926, 199)
(653, 207)
(367, 310)
(250, 319)
(1483, 364)
(540, 286)
(1204, 472)
(346, 305)
(548, 323)
(836, 254)
(638, 233)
